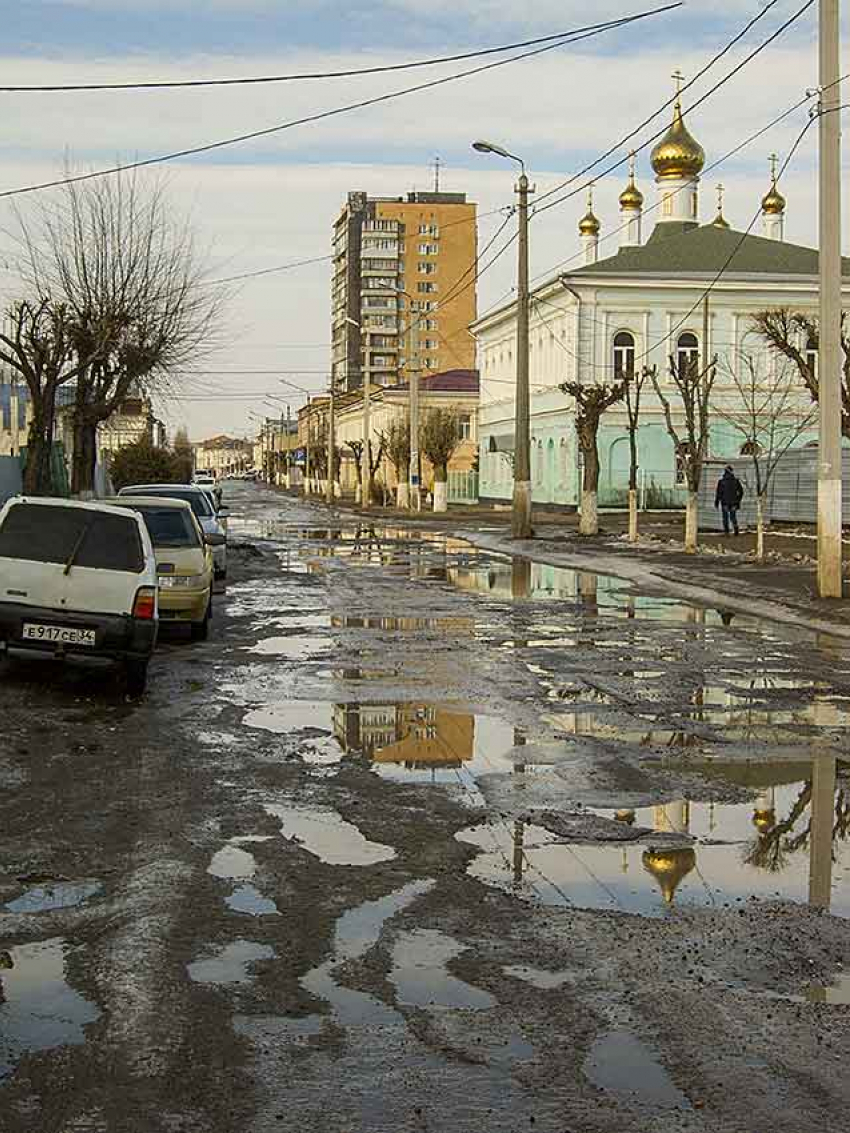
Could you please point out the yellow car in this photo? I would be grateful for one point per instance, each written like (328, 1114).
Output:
(184, 560)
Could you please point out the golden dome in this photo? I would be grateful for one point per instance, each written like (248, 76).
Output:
(677, 154)
(625, 815)
(764, 820)
(773, 203)
(631, 198)
(589, 225)
(669, 867)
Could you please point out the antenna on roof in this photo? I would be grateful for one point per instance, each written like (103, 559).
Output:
(437, 167)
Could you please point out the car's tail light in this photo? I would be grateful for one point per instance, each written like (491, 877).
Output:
(144, 607)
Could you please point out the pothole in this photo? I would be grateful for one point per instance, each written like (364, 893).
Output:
(420, 976)
(322, 832)
(50, 896)
(231, 964)
(620, 1064)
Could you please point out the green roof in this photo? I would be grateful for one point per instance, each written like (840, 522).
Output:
(674, 248)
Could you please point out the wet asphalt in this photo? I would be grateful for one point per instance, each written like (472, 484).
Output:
(428, 837)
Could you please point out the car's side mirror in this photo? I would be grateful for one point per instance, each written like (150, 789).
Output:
(214, 540)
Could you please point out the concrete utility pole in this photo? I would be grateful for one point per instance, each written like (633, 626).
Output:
(307, 450)
(822, 816)
(829, 354)
(415, 487)
(521, 517)
(329, 493)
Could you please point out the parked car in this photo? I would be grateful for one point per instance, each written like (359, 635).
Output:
(204, 509)
(184, 561)
(78, 578)
(208, 482)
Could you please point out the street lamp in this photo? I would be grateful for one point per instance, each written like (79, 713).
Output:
(521, 516)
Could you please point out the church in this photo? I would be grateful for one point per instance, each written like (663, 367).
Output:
(639, 307)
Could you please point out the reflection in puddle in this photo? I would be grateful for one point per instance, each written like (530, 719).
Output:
(291, 716)
(46, 897)
(231, 965)
(620, 1064)
(38, 1009)
(297, 647)
(837, 993)
(248, 899)
(420, 976)
(232, 863)
(462, 626)
(790, 843)
(325, 834)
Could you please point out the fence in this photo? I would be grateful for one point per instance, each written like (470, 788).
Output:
(793, 493)
(10, 477)
(463, 487)
(657, 489)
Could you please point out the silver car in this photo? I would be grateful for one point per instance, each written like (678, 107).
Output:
(203, 507)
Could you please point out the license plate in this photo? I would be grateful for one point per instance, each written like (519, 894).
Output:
(58, 635)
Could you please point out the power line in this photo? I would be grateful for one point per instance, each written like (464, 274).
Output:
(170, 84)
(268, 271)
(334, 112)
(712, 90)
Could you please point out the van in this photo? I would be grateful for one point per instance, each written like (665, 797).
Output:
(78, 578)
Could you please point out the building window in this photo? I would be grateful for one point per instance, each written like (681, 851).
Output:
(426, 287)
(682, 454)
(667, 205)
(423, 229)
(428, 343)
(465, 426)
(694, 205)
(427, 269)
(687, 352)
(812, 358)
(624, 355)
(429, 249)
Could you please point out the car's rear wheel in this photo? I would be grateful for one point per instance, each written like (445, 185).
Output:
(136, 676)
(201, 629)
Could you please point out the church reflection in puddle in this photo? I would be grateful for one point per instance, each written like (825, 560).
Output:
(791, 843)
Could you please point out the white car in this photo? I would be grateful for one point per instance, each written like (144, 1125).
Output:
(78, 578)
(205, 511)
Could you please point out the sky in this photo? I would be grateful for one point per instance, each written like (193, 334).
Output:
(272, 201)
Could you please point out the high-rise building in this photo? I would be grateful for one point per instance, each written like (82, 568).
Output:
(403, 291)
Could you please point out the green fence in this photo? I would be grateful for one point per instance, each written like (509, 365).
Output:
(463, 488)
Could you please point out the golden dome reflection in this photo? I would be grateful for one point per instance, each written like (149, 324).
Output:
(764, 820)
(677, 154)
(669, 866)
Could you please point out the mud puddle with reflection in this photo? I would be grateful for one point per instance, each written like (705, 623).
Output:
(232, 863)
(232, 964)
(51, 896)
(39, 1010)
(296, 647)
(322, 832)
(421, 978)
(711, 854)
(622, 1065)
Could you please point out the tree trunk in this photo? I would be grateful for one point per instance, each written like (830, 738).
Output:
(691, 522)
(441, 495)
(402, 494)
(85, 455)
(38, 476)
(760, 512)
(633, 515)
(589, 518)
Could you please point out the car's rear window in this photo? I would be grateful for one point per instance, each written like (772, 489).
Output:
(199, 501)
(169, 527)
(48, 533)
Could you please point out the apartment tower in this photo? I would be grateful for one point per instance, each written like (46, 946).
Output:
(403, 291)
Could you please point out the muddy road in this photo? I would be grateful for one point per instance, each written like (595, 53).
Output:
(427, 838)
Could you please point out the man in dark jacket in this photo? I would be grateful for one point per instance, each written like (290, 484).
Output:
(730, 492)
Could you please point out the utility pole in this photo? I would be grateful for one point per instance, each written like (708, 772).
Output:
(329, 495)
(415, 492)
(829, 354)
(366, 475)
(308, 425)
(521, 517)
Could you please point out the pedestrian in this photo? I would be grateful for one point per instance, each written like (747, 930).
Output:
(730, 492)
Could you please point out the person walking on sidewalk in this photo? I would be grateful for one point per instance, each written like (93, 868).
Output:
(730, 492)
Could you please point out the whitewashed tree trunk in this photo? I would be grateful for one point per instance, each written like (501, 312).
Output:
(358, 494)
(691, 522)
(633, 515)
(760, 512)
(589, 518)
(441, 495)
(402, 494)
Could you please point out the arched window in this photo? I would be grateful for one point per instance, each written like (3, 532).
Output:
(624, 355)
(812, 357)
(687, 352)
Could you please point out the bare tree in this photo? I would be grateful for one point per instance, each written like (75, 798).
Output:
(591, 401)
(439, 437)
(794, 335)
(632, 397)
(39, 344)
(690, 438)
(396, 443)
(765, 413)
(113, 253)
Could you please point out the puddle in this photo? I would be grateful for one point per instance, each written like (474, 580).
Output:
(48, 896)
(538, 977)
(248, 899)
(740, 851)
(837, 993)
(291, 716)
(298, 647)
(620, 1064)
(231, 965)
(358, 930)
(463, 626)
(232, 863)
(38, 1008)
(325, 834)
(420, 977)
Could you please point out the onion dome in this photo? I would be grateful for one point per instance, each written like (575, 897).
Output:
(631, 198)
(627, 816)
(589, 224)
(677, 154)
(764, 820)
(669, 866)
(773, 203)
